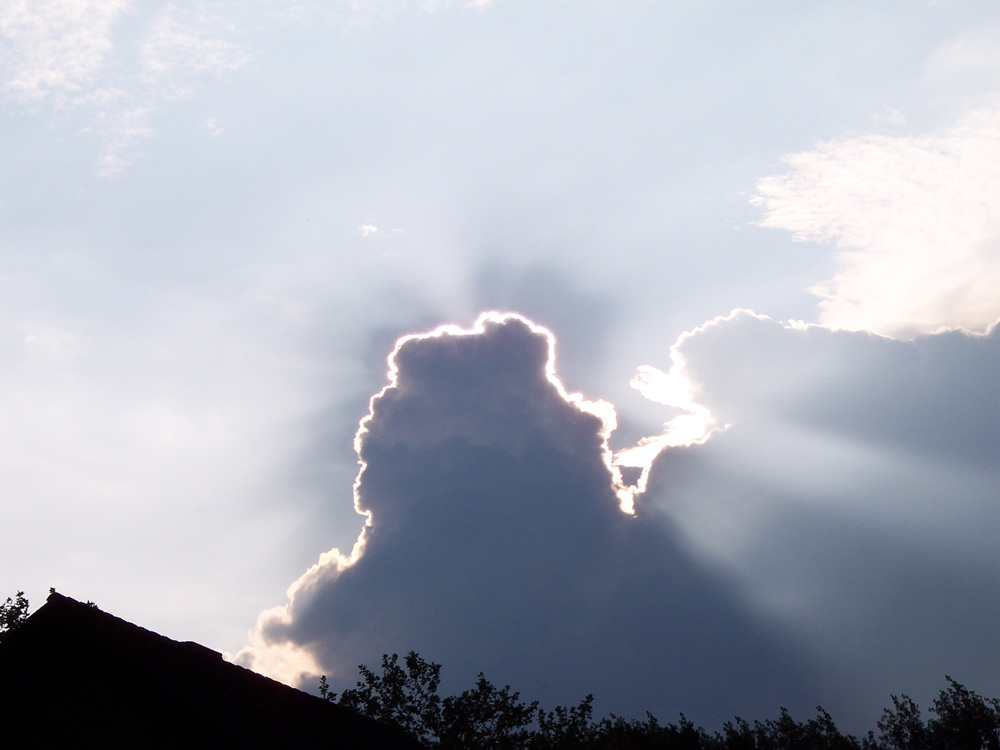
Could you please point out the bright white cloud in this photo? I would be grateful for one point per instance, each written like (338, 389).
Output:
(916, 221)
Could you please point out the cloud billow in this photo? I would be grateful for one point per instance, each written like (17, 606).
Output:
(852, 497)
(497, 543)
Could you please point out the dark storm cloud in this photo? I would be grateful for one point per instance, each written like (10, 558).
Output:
(855, 497)
(496, 543)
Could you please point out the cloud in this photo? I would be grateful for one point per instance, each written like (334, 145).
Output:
(122, 128)
(55, 48)
(430, 6)
(853, 498)
(372, 232)
(914, 219)
(181, 47)
(118, 70)
(496, 541)
(64, 54)
(213, 127)
(968, 59)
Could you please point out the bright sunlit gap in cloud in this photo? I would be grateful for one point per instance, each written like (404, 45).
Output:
(676, 389)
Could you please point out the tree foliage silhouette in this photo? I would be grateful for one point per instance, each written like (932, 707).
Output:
(963, 721)
(402, 695)
(13, 612)
(490, 718)
(406, 695)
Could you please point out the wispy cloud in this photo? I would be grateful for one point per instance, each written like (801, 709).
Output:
(64, 54)
(433, 5)
(915, 219)
(968, 61)
(373, 232)
(182, 46)
(54, 48)
(121, 131)
(425, 5)
(213, 126)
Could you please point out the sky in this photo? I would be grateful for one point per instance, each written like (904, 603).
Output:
(642, 349)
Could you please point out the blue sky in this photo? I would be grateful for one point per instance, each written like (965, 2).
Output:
(765, 235)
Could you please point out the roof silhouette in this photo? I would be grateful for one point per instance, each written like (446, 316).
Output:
(74, 675)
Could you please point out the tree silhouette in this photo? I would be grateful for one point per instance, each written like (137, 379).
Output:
(13, 612)
(488, 718)
(901, 727)
(402, 695)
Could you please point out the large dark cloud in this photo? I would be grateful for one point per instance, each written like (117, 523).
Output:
(497, 543)
(855, 497)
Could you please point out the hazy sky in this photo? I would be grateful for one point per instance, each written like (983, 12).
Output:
(760, 241)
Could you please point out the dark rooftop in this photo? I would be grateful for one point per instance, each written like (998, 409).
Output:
(74, 675)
